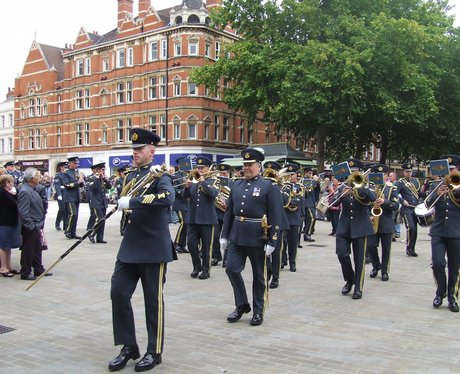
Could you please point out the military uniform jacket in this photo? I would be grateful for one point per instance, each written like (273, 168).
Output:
(406, 193)
(391, 204)
(97, 188)
(72, 188)
(30, 208)
(354, 221)
(146, 238)
(311, 193)
(249, 201)
(202, 208)
(294, 217)
(59, 184)
(180, 202)
(447, 216)
(119, 185)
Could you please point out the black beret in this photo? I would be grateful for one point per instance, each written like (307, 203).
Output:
(252, 155)
(141, 137)
(380, 168)
(454, 160)
(407, 166)
(272, 165)
(203, 161)
(223, 167)
(355, 163)
(73, 159)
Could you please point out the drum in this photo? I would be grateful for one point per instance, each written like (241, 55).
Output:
(322, 205)
(425, 216)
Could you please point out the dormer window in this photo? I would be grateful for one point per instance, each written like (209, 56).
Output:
(178, 20)
(193, 18)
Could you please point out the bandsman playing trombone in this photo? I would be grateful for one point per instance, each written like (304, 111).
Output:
(408, 188)
(382, 219)
(354, 227)
(445, 235)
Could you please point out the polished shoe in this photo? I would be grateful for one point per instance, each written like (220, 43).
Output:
(437, 302)
(308, 238)
(374, 272)
(274, 283)
(91, 239)
(368, 260)
(101, 241)
(15, 272)
(148, 362)
(224, 264)
(453, 307)
(238, 313)
(204, 275)
(214, 262)
(194, 273)
(7, 274)
(127, 353)
(347, 288)
(28, 277)
(299, 246)
(46, 275)
(357, 295)
(77, 237)
(385, 277)
(292, 268)
(411, 253)
(58, 228)
(68, 236)
(257, 319)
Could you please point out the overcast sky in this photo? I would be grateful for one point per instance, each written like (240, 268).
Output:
(57, 22)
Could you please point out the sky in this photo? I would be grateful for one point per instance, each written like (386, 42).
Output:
(57, 22)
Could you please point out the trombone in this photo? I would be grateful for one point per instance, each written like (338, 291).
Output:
(452, 181)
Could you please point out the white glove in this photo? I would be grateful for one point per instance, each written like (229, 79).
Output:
(59, 197)
(223, 243)
(123, 202)
(268, 249)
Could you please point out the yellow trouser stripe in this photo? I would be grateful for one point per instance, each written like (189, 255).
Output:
(181, 226)
(71, 216)
(361, 278)
(210, 247)
(160, 308)
(265, 284)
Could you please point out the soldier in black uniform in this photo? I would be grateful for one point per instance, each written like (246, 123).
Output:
(388, 201)
(145, 250)
(10, 170)
(445, 237)
(122, 171)
(312, 188)
(59, 192)
(201, 218)
(180, 206)
(72, 182)
(97, 186)
(92, 213)
(409, 187)
(251, 229)
(352, 231)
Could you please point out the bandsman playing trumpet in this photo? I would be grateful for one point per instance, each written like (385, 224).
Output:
(201, 217)
(445, 236)
(354, 228)
(382, 219)
(408, 188)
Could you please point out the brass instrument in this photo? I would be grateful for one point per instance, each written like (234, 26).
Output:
(377, 210)
(265, 226)
(222, 198)
(408, 183)
(452, 181)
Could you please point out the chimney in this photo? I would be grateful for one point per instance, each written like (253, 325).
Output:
(10, 93)
(144, 6)
(124, 7)
(210, 4)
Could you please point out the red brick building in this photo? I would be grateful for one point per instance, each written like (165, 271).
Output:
(83, 99)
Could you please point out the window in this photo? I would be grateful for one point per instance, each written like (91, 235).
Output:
(129, 92)
(58, 136)
(129, 124)
(153, 123)
(88, 65)
(216, 128)
(207, 124)
(176, 128)
(45, 140)
(163, 86)
(86, 133)
(120, 132)
(267, 136)
(207, 50)
(153, 82)
(78, 134)
(162, 133)
(10, 145)
(38, 108)
(59, 104)
(22, 113)
(120, 93)
(241, 133)
(193, 48)
(79, 67)
(104, 134)
(32, 108)
(45, 107)
(164, 49)
(177, 48)
(130, 61)
(192, 128)
(192, 88)
(37, 138)
(153, 51)
(177, 84)
(79, 100)
(10, 120)
(31, 139)
(87, 98)
(21, 142)
(121, 58)
(225, 129)
(217, 50)
(105, 64)
(3, 121)
(2, 146)
(250, 133)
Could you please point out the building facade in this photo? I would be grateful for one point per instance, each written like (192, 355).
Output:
(83, 99)
(7, 128)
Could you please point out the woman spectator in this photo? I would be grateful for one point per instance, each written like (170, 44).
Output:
(9, 231)
(47, 182)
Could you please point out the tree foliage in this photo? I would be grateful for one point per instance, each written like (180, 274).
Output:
(358, 72)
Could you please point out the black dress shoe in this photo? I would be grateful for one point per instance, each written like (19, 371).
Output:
(224, 264)
(257, 319)
(128, 352)
(308, 238)
(292, 268)
(274, 283)
(238, 313)
(437, 302)
(204, 275)
(58, 228)
(148, 362)
(68, 236)
(102, 242)
(91, 239)
(28, 277)
(77, 237)
(374, 272)
(357, 295)
(214, 262)
(299, 246)
(385, 277)
(46, 275)
(453, 307)
(194, 273)
(347, 288)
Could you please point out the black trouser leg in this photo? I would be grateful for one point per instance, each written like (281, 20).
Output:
(235, 265)
(193, 243)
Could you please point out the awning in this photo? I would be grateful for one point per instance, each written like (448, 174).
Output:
(238, 161)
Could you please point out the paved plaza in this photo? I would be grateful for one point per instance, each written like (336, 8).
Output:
(63, 324)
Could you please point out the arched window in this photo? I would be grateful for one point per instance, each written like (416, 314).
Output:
(178, 20)
(176, 123)
(193, 18)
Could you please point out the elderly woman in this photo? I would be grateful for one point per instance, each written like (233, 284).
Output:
(9, 232)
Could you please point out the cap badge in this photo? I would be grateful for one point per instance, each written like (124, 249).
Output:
(351, 163)
(247, 155)
(135, 137)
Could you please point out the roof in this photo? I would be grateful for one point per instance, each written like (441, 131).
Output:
(53, 57)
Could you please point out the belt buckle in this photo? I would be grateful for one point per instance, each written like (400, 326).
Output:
(242, 219)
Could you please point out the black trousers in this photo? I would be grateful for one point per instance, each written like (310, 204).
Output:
(410, 221)
(203, 234)
(334, 218)
(343, 251)
(124, 281)
(181, 235)
(440, 247)
(236, 262)
(61, 215)
(216, 253)
(291, 241)
(275, 267)
(310, 220)
(72, 218)
(99, 213)
(92, 219)
(31, 252)
(373, 242)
